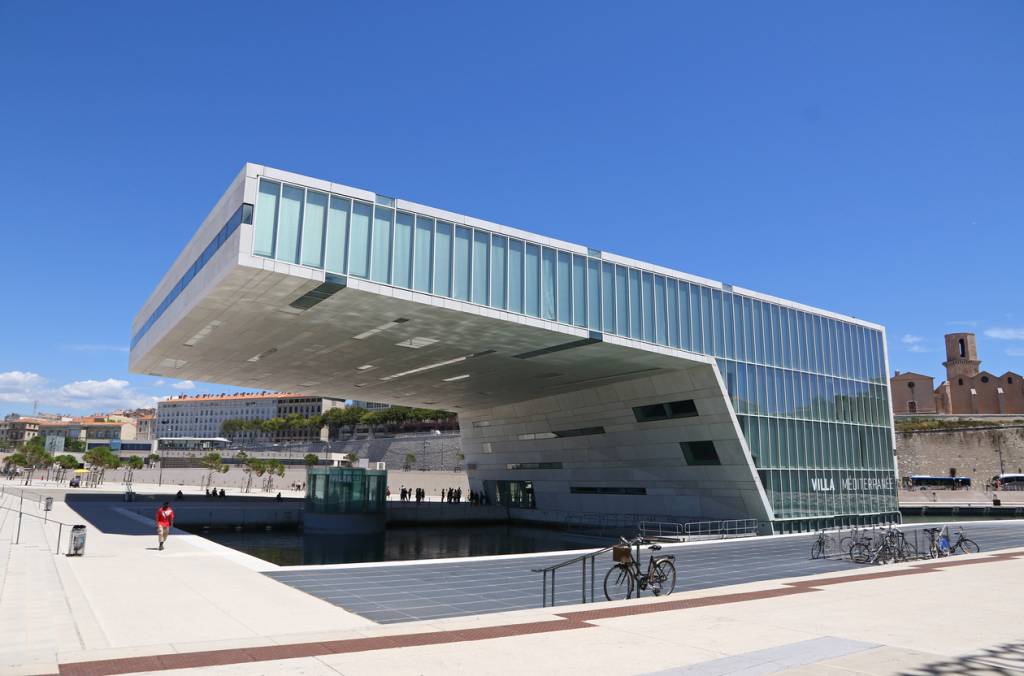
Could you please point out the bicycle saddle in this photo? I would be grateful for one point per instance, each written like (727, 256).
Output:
(654, 548)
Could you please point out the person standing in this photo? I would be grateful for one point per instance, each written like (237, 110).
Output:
(164, 521)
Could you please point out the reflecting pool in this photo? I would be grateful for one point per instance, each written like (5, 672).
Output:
(294, 548)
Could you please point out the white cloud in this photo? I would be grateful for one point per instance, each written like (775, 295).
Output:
(20, 387)
(15, 381)
(914, 343)
(1015, 351)
(159, 383)
(184, 385)
(1005, 333)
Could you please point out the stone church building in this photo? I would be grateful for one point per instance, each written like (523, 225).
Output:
(967, 389)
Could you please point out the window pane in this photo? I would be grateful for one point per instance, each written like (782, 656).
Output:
(685, 341)
(648, 306)
(288, 225)
(564, 287)
(594, 294)
(403, 249)
(359, 240)
(696, 325)
(634, 303)
(579, 291)
(515, 275)
(481, 258)
(380, 268)
(621, 301)
(707, 320)
(424, 253)
(443, 259)
(673, 312)
(532, 278)
(313, 229)
(716, 322)
(608, 297)
(337, 235)
(660, 314)
(462, 262)
(728, 332)
(499, 255)
(266, 219)
(547, 283)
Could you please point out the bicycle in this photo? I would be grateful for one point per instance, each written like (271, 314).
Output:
(938, 545)
(893, 546)
(625, 577)
(964, 544)
(823, 545)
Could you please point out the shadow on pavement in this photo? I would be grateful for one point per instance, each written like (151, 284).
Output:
(1007, 658)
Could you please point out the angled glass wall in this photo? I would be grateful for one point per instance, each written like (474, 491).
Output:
(809, 390)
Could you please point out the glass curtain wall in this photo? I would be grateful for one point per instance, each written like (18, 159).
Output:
(809, 390)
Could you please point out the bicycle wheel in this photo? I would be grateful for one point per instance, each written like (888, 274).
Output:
(663, 578)
(859, 553)
(968, 546)
(618, 583)
(908, 552)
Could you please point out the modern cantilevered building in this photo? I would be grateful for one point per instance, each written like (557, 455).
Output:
(585, 382)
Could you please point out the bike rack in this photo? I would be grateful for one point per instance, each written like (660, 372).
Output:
(591, 556)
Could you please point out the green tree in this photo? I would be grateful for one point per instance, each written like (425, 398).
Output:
(310, 459)
(212, 463)
(74, 445)
(410, 458)
(65, 462)
(273, 468)
(100, 459)
(152, 458)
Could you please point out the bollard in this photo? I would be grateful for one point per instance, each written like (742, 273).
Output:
(17, 538)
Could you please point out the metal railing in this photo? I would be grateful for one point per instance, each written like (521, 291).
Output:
(661, 529)
(20, 510)
(582, 560)
(724, 529)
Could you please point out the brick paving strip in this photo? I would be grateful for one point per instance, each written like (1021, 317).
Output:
(568, 621)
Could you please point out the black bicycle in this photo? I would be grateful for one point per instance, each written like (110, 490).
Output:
(963, 543)
(625, 578)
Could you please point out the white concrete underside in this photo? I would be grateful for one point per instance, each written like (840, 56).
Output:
(258, 341)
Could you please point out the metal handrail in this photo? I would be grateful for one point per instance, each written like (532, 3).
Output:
(661, 529)
(591, 556)
(723, 528)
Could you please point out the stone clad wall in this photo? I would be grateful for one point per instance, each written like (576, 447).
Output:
(971, 451)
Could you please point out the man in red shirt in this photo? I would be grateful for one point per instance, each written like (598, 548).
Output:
(164, 521)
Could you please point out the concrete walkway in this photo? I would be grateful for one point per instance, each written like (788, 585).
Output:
(124, 592)
(892, 620)
(197, 608)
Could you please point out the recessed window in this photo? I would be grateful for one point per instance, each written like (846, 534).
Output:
(579, 432)
(984, 379)
(960, 381)
(673, 409)
(533, 465)
(608, 490)
(700, 452)
(910, 385)
(1009, 380)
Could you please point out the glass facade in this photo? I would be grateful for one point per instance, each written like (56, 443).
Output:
(809, 390)
(345, 490)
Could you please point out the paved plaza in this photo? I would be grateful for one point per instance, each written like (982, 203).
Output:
(742, 607)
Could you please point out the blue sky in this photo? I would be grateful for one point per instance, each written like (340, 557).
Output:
(864, 157)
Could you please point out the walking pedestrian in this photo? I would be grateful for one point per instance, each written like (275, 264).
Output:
(164, 521)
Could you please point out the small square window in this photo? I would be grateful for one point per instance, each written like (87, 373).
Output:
(700, 452)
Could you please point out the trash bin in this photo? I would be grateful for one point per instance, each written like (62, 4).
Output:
(76, 541)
